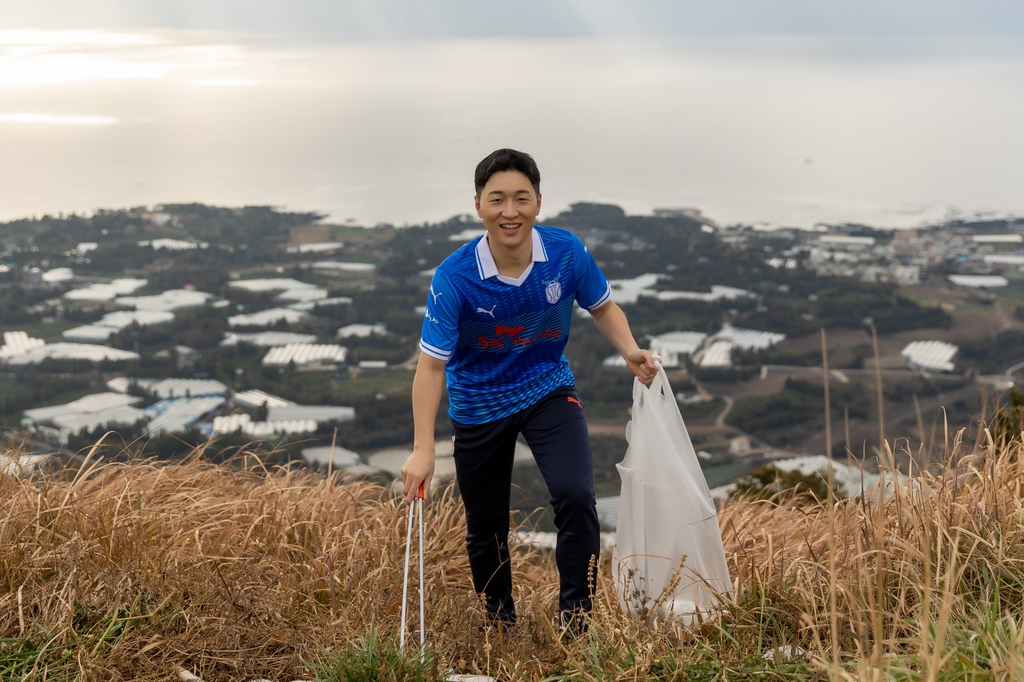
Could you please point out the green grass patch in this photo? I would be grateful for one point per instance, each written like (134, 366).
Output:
(47, 331)
(393, 383)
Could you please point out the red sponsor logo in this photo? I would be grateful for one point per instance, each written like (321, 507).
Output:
(573, 400)
(511, 335)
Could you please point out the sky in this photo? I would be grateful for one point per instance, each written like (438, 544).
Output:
(372, 20)
(788, 113)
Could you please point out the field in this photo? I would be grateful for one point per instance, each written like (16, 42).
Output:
(234, 572)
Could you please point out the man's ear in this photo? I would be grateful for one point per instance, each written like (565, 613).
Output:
(476, 202)
(538, 203)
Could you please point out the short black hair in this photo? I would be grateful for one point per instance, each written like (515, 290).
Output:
(506, 160)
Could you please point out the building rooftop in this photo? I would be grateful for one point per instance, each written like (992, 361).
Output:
(267, 339)
(931, 356)
(305, 354)
(95, 402)
(89, 333)
(265, 318)
(340, 266)
(309, 305)
(846, 240)
(173, 244)
(244, 423)
(106, 292)
(315, 247)
(177, 414)
(255, 398)
(171, 388)
(674, 346)
(1004, 259)
(303, 294)
(318, 413)
(467, 234)
(718, 354)
(58, 275)
(269, 284)
(99, 332)
(18, 343)
(998, 238)
(361, 331)
(749, 339)
(175, 299)
(91, 421)
(979, 281)
(72, 351)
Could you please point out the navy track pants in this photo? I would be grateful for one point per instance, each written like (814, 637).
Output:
(556, 431)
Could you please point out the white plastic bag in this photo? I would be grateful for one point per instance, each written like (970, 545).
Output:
(668, 559)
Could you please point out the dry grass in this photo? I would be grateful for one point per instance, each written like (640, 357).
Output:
(125, 571)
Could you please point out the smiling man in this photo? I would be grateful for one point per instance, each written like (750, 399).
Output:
(495, 328)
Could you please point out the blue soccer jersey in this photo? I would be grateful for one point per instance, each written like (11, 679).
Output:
(503, 338)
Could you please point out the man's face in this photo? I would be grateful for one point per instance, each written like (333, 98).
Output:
(508, 205)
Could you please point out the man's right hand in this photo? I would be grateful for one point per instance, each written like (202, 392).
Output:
(418, 468)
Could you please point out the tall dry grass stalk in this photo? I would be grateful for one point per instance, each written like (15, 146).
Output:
(125, 571)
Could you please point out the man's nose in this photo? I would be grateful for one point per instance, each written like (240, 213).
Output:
(508, 209)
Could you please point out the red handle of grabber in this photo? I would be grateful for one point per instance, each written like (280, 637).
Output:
(420, 494)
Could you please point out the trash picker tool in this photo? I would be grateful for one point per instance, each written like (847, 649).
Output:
(415, 507)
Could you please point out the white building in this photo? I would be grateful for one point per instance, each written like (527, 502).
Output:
(177, 414)
(907, 275)
(674, 346)
(718, 354)
(107, 291)
(979, 281)
(309, 305)
(171, 388)
(305, 354)
(173, 244)
(18, 343)
(930, 356)
(71, 351)
(361, 331)
(997, 238)
(255, 398)
(58, 275)
(315, 247)
(335, 266)
(847, 241)
(268, 339)
(174, 299)
(266, 318)
(1000, 259)
(99, 332)
(749, 339)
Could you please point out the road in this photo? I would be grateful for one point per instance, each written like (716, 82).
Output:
(1016, 368)
(895, 373)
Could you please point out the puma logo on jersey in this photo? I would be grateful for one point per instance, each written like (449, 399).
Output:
(435, 295)
(488, 312)
(574, 400)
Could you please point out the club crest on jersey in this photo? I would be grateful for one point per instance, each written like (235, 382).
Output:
(553, 291)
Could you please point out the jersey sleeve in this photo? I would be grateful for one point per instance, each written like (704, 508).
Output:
(592, 288)
(441, 320)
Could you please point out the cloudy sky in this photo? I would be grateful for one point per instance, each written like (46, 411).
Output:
(775, 113)
(446, 19)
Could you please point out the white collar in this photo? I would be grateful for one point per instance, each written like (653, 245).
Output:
(487, 268)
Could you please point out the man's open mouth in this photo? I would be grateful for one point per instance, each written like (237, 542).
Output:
(509, 227)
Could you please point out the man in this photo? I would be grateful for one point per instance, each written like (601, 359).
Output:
(496, 324)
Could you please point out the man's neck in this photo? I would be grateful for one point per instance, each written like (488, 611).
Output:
(512, 262)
